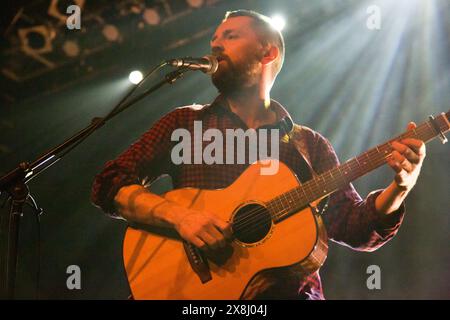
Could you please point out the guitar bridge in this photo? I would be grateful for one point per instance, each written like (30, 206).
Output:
(198, 262)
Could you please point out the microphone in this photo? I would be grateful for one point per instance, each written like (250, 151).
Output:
(207, 64)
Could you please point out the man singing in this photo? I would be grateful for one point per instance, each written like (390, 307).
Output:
(250, 53)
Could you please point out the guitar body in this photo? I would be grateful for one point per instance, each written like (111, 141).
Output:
(157, 266)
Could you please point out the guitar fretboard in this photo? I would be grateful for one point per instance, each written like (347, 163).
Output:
(337, 178)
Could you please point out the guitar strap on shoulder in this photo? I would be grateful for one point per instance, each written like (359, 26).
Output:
(299, 141)
(298, 138)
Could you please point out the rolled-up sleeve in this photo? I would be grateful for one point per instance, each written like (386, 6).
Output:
(144, 160)
(349, 219)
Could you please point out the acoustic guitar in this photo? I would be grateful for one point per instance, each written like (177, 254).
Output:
(274, 221)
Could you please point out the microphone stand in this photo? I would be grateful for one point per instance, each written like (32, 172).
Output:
(14, 183)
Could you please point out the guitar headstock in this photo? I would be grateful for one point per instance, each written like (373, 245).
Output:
(447, 115)
(446, 126)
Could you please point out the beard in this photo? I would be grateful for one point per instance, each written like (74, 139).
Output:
(233, 77)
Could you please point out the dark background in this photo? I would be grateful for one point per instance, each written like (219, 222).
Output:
(356, 86)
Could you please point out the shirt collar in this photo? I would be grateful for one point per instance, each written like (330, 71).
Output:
(284, 120)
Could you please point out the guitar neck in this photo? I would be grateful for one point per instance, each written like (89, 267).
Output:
(332, 180)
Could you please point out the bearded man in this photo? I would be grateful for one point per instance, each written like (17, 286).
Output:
(250, 53)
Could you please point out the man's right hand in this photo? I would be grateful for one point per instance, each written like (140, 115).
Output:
(203, 229)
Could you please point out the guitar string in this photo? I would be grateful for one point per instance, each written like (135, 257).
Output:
(376, 163)
(316, 191)
(249, 227)
(281, 212)
(255, 214)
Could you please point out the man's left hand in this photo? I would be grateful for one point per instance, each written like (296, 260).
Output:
(406, 160)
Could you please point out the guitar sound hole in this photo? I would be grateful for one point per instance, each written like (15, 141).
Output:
(251, 223)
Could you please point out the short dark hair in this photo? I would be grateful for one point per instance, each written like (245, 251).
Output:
(268, 34)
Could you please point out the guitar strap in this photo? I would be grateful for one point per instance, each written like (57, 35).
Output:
(299, 141)
(291, 131)
(297, 135)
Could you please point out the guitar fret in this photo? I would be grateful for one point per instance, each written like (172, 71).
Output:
(322, 185)
(357, 162)
(340, 175)
(316, 187)
(304, 193)
(372, 156)
(291, 199)
(309, 189)
(331, 181)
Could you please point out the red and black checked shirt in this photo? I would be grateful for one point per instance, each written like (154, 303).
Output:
(349, 220)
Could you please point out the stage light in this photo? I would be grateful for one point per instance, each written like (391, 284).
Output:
(71, 48)
(151, 17)
(135, 77)
(278, 22)
(111, 33)
(36, 40)
(195, 3)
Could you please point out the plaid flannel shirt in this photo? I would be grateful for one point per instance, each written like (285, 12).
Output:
(349, 220)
